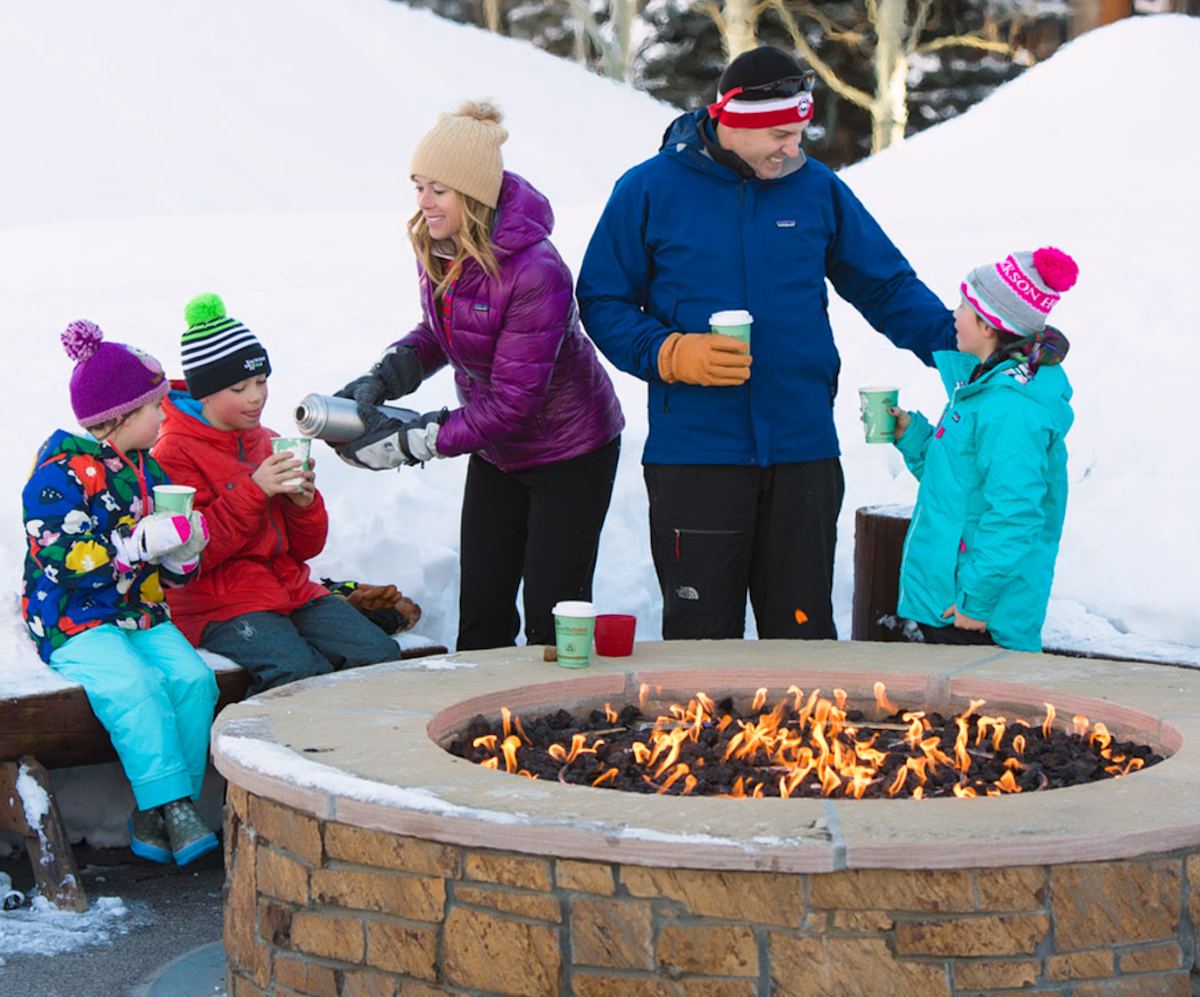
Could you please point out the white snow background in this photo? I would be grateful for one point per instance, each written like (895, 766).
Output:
(261, 151)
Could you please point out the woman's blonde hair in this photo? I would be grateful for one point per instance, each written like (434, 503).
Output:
(474, 242)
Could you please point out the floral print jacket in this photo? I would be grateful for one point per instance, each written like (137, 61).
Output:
(79, 494)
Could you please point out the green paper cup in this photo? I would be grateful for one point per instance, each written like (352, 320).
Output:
(299, 447)
(174, 498)
(874, 403)
(732, 323)
(574, 623)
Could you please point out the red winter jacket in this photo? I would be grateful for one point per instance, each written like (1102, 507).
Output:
(257, 547)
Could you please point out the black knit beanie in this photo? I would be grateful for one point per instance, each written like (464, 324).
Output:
(755, 68)
(218, 351)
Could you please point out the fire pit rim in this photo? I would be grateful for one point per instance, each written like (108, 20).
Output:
(434, 796)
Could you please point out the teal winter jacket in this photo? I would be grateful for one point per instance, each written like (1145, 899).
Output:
(985, 531)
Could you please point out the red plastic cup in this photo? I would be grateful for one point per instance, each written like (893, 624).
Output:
(614, 634)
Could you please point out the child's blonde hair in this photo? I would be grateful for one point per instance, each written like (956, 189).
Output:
(103, 430)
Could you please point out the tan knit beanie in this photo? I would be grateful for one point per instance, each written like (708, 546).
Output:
(463, 151)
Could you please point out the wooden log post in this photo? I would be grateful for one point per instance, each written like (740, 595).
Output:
(879, 533)
(32, 812)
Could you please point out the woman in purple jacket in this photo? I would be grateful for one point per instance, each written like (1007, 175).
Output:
(538, 413)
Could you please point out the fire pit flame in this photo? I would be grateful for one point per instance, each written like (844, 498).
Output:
(804, 746)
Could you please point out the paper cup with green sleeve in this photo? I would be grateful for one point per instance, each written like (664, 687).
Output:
(298, 447)
(174, 498)
(873, 403)
(735, 323)
(574, 625)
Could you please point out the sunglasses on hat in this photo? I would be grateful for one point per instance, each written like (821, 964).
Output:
(788, 86)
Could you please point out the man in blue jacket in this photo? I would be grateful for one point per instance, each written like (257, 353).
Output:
(741, 461)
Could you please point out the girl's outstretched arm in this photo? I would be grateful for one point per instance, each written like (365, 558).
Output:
(913, 439)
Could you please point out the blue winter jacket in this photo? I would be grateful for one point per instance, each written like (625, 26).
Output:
(683, 236)
(985, 531)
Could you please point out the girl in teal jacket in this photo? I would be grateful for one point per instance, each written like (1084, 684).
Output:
(979, 557)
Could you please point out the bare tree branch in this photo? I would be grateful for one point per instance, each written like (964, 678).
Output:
(966, 41)
(918, 26)
(585, 17)
(833, 30)
(824, 70)
(615, 54)
(736, 20)
(492, 16)
(712, 10)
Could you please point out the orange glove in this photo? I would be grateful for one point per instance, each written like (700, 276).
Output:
(704, 358)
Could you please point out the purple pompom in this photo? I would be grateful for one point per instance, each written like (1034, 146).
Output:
(81, 339)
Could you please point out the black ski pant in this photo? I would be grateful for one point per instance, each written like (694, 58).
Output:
(953, 635)
(718, 531)
(541, 524)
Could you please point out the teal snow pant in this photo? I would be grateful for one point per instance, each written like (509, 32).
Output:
(155, 696)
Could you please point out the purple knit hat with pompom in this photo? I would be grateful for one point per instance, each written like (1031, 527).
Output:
(110, 379)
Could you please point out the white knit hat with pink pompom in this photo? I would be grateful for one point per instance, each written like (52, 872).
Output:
(1017, 294)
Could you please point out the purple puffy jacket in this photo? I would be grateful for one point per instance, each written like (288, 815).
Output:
(530, 383)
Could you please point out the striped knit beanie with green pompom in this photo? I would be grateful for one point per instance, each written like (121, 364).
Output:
(218, 351)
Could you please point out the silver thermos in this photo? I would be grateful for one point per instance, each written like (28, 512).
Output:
(336, 420)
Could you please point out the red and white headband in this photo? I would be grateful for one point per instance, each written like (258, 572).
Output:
(734, 113)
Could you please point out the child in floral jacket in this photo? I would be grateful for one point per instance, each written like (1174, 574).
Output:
(97, 558)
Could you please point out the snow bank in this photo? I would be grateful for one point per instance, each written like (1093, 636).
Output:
(168, 149)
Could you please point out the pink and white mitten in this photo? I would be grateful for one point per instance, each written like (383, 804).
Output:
(184, 560)
(153, 536)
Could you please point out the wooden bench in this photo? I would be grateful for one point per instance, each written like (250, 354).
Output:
(45, 730)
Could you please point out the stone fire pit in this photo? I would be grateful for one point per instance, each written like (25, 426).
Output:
(365, 860)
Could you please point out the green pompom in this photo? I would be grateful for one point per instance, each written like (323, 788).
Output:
(204, 308)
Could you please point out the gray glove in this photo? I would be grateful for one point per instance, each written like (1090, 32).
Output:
(395, 442)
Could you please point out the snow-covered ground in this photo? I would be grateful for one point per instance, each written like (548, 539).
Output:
(261, 150)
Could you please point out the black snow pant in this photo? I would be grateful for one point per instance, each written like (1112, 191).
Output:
(953, 635)
(718, 531)
(541, 524)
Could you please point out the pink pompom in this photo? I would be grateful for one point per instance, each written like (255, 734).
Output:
(1056, 268)
(82, 339)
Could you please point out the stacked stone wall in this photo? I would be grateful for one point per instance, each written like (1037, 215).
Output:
(322, 909)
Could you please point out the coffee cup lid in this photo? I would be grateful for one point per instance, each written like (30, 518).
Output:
(574, 608)
(736, 317)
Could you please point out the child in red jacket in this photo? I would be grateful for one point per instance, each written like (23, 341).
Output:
(254, 601)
